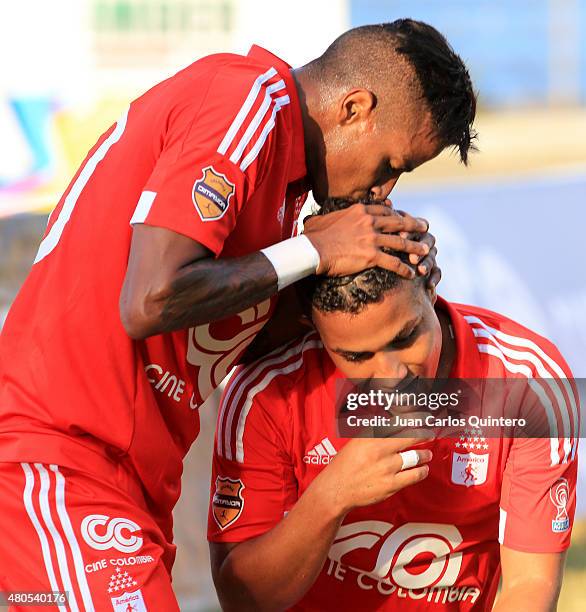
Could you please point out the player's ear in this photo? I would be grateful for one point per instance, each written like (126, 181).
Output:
(355, 106)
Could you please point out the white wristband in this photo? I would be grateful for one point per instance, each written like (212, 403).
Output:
(293, 259)
(409, 459)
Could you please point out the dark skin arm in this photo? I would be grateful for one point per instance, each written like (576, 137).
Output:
(172, 282)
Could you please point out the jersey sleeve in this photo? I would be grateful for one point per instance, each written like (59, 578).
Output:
(253, 482)
(538, 496)
(216, 152)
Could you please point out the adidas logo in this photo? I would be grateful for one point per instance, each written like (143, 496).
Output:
(320, 454)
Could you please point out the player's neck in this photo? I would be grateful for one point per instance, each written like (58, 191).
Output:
(448, 352)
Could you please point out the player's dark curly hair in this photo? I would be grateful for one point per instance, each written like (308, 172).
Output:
(353, 292)
(367, 55)
(444, 79)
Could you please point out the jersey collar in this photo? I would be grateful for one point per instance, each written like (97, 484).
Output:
(467, 361)
(297, 168)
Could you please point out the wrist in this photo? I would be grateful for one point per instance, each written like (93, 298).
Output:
(328, 500)
(292, 259)
(313, 237)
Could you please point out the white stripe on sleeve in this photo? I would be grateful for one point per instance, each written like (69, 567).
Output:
(555, 367)
(537, 388)
(502, 525)
(270, 124)
(256, 120)
(263, 384)
(245, 109)
(143, 207)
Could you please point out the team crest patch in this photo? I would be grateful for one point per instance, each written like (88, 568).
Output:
(212, 194)
(469, 469)
(227, 503)
(129, 602)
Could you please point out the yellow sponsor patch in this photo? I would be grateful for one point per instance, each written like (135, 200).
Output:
(211, 194)
(227, 503)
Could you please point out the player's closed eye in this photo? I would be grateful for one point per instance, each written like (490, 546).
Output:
(357, 357)
(405, 340)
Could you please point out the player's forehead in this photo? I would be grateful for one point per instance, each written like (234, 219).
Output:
(376, 324)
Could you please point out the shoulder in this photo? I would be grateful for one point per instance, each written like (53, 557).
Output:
(510, 342)
(510, 350)
(257, 395)
(285, 366)
(220, 86)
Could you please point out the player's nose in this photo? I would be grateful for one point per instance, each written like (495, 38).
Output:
(389, 367)
(382, 192)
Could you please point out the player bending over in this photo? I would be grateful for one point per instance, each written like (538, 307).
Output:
(302, 518)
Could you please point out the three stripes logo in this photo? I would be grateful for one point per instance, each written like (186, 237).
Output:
(321, 454)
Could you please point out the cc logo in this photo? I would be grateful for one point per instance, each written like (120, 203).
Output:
(102, 532)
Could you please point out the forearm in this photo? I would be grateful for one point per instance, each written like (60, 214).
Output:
(209, 290)
(532, 596)
(275, 570)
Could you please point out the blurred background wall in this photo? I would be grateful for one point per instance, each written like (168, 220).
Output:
(509, 227)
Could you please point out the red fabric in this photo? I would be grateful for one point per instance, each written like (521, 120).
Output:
(65, 530)
(74, 389)
(274, 430)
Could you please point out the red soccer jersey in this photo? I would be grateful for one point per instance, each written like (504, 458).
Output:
(216, 153)
(434, 544)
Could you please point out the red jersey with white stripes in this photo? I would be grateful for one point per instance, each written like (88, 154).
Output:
(216, 153)
(432, 545)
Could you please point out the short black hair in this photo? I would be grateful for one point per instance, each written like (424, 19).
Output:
(353, 292)
(442, 78)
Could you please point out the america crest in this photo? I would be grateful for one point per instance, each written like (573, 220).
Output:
(211, 194)
(469, 469)
(227, 503)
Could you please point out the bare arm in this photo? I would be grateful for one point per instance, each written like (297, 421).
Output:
(531, 581)
(172, 282)
(273, 571)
